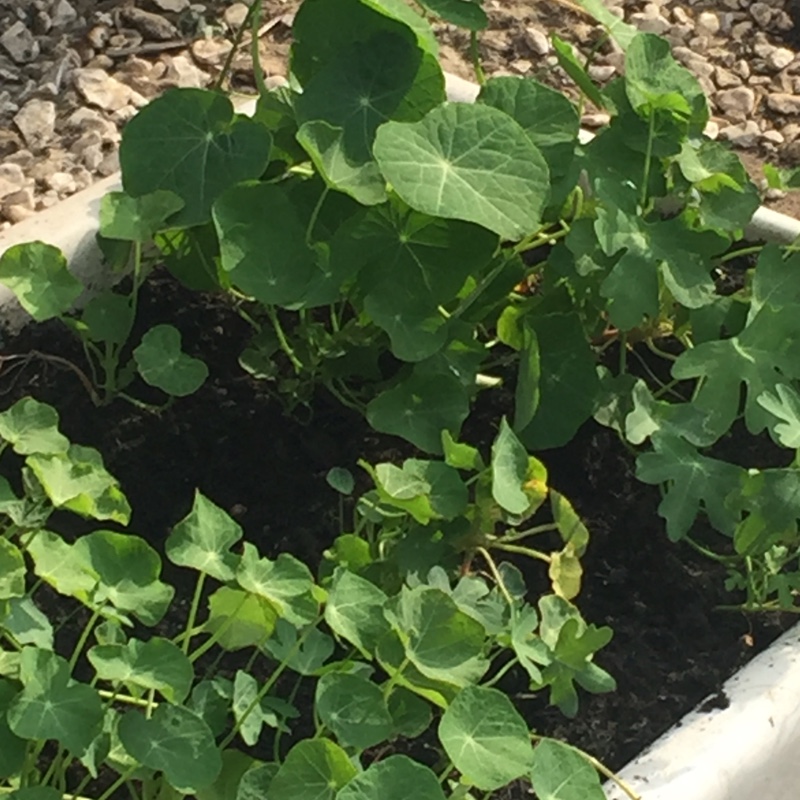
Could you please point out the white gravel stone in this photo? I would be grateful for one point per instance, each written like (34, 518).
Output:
(784, 103)
(745, 134)
(761, 13)
(736, 103)
(537, 41)
(100, 89)
(780, 58)
(36, 121)
(20, 43)
(708, 24)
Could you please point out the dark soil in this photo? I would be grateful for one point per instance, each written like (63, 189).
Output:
(232, 441)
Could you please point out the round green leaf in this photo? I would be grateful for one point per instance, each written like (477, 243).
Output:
(411, 715)
(354, 610)
(37, 274)
(61, 565)
(127, 570)
(314, 769)
(467, 162)
(176, 742)
(108, 317)
(486, 738)
(354, 709)
(32, 427)
(561, 773)
(12, 748)
(467, 14)
(440, 640)
(394, 778)
(286, 584)
(548, 117)
(190, 142)
(419, 408)
(137, 219)
(23, 620)
(235, 765)
(387, 76)
(157, 664)
(163, 364)
(203, 539)
(51, 707)
(239, 619)
(263, 243)
(341, 480)
(12, 570)
(361, 179)
(254, 784)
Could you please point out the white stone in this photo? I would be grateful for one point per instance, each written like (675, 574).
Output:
(20, 43)
(210, 52)
(784, 103)
(780, 58)
(173, 6)
(601, 72)
(183, 73)
(235, 14)
(63, 13)
(745, 134)
(725, 79)
(708, 24)
(651, 21)
(537, 41)
(738, 103)
(776, 137)
(761, 13)
(36, 121)
(61, 182)
(100, 89)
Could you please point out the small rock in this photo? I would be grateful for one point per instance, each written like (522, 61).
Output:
(61, 182)
(745, 134)
(210, 52)
(740, 30)
(235, 15)
(181, 72)
(601, 73)
(651, 21)
(776, 137)
(737, 103)
(151, 26)
(36, 121)
(521, 66)
(761, 13)
(774, 194)
(707, 24)
(784, 103)
(85, 120)
(171, 6)
(22, 197)
(16, 213)
(680, 16)
(63, 14)
(109, 165)
(742, 69)
(100, 89)
(791, 131)
(92, 156)
(98, 36)
(726, 79)
(712, 129)
(12, 175)
(22, 158)
(20, 43)
(780, 58)
(537, 41)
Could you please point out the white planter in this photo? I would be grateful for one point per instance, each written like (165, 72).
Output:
(747, 751)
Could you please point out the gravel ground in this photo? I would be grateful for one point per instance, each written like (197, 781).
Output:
(72, 72)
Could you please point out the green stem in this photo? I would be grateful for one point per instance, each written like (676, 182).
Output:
(193, 609)
(501, 672)
(523, 551)
(648, 157)
(484, 284)
(623, 353)
(475, 55)
(264, 690)
(720, 559)
(215, 637)
(388, 687)
(255, 53)
(745, 251)
(237, 42)
(658, 351)
(84, 637)
(312, 222)
(517, 535)
(118, 783)
(282, 340)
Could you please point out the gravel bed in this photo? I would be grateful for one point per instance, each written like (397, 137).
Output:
(72, 72)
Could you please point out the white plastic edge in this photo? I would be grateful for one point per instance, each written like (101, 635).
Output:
(747, 751)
